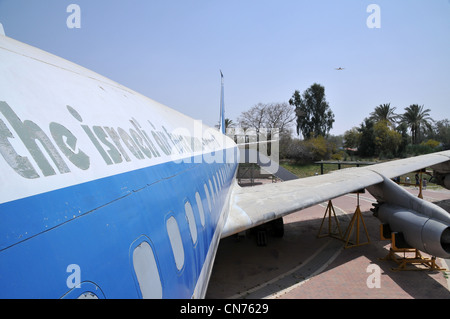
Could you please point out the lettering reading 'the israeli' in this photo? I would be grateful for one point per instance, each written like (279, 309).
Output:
(30, 133)
(41, 154)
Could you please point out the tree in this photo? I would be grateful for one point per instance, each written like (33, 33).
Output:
(403, 130)
(272, 115)
(417, 118)
(314, 116)
(441, 133)
(253, 118)
(318, 148)
(279, 115)
(386, 140)
(352, 138)
(384, 112)
(366, 143)
(228, 123)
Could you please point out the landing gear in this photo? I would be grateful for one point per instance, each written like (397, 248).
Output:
(274, 228)
(261, 238)
(277, 227)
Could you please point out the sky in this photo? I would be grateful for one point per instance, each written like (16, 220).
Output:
(172, 50)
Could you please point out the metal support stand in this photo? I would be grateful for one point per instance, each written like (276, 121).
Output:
(415, 258)
(420, 185)
(328, 212)
(356, 219)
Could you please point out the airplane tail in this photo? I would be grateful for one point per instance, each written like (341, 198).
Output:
(222, 107)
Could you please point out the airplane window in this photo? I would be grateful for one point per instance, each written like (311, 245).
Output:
(207, 197)
(147, 271)
(88, 295)
(200, 208)
(191, 221)
(215, 185)
(222, 179)
(219, 180)
(175, 241)
(212, 191)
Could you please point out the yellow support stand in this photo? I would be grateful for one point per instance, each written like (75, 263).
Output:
(356, 219)
(420, 184)
(416, 259)
(330, 211)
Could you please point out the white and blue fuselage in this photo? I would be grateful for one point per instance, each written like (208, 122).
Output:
(104, 192)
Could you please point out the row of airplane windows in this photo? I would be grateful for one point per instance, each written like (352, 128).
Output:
(144, 261)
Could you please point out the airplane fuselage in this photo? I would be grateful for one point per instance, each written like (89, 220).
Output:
(105, 193)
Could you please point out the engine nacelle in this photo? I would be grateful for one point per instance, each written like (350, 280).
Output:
(442, 179)
(420, 231)
(424, 225)
(441, 173)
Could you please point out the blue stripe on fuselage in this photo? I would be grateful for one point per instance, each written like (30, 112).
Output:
(93, 225)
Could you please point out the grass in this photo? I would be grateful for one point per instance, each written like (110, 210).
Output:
(301, 170)
(306, 170)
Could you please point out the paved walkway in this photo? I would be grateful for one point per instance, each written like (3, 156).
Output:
(300, 265)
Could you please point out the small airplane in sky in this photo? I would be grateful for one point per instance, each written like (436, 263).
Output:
(105, 193)
(339, 68)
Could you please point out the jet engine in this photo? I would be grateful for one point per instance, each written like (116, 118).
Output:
(424, 225)
(419, 231)
(441, 173)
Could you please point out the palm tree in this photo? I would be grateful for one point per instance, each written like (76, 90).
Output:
(228, 123)
(416, 118)
(384, 112)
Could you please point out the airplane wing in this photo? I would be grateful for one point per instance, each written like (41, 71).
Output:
(253, 206)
